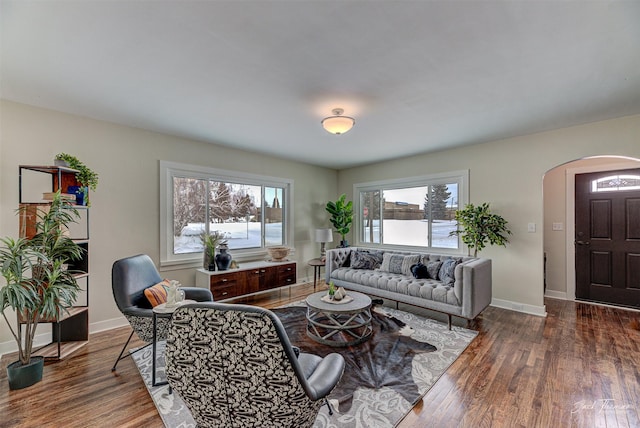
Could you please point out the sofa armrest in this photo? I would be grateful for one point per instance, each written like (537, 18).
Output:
(335, 258)
(476, 287)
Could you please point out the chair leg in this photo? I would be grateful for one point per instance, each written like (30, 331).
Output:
(120, 357)
(326, 401)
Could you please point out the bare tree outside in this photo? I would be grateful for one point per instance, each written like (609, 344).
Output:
(189, 196)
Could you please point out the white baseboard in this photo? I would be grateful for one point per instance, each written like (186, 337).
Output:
(44, 338)
(560, 295)
(520, 307)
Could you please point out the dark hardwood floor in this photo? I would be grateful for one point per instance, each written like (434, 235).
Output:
(579, 367)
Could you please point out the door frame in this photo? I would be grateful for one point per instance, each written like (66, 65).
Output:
(570, 193)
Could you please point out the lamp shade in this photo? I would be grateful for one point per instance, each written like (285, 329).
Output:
(324, 235)
(338, 124)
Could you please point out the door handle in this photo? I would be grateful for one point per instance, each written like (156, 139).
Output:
(583, 242)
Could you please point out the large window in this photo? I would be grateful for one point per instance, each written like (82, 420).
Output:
(412, 212)
(251, 211)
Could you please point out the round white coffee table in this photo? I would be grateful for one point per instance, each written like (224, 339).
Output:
(339, 324)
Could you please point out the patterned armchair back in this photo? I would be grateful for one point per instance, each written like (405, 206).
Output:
(232, 365)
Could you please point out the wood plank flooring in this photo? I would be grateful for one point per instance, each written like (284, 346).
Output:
(579, 367)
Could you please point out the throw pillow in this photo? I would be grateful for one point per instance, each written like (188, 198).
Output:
(419, 271)
(447, 271)
(407, 262)
(157, 294)
(433, 268)
(362, 259)
(392, 263)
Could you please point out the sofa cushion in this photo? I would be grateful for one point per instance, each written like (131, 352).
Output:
(447, 270)
(363, 259)
(428, 289)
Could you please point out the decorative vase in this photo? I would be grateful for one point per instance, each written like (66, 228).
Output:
(79, 191)
(343, 244)
(223, 259)
(21, 376)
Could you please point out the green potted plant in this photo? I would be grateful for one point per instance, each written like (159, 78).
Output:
(38, 284)
(341, 218)
(85, 176)
(211, 241)
(478, 226)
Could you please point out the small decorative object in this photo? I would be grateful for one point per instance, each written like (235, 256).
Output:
(234, 265)
(174, 294)
(223, 259)
(478, 226)
(340, 294)
(341, 217)
(278, 253)
(80, 192)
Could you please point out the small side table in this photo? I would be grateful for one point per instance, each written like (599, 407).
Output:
(317, 265)
(161, 311)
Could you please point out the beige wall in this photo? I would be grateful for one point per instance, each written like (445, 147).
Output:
(124, 211)
(509, 175)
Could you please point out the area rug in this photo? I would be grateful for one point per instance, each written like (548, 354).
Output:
(383, 379)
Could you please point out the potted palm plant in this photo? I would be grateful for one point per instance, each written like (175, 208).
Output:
(341, 218)
(211, 241)
(478, 226)
(38, 284)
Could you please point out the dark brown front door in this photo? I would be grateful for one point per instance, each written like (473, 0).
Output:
(608, 237)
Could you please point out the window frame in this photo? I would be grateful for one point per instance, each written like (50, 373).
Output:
(460, 177)
(169, 170)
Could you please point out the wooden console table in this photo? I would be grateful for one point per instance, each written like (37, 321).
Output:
(249, 278)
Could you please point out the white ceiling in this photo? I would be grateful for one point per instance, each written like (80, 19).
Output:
(418, 76)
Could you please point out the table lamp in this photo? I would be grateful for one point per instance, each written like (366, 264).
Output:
(323, 236)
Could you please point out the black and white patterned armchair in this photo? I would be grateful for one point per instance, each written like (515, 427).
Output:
(129, 278)
(233, 366)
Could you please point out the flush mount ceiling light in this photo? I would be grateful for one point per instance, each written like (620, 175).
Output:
(338, 124)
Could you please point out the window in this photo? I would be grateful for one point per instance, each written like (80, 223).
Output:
(251, 211)
(616, 183)
(415, 212)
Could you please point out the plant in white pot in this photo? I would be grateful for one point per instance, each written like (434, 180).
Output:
(478, 226)
(37, 285)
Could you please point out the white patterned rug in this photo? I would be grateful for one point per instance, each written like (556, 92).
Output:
(366, 406)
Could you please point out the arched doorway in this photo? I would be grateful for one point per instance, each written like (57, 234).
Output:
(559, 219)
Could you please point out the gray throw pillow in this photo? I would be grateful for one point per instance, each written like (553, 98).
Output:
(433, 268)
(362, 259)
(447, 271)
(392, 263)
(407, 262)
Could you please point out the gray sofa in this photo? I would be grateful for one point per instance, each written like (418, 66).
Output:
(464, 291)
